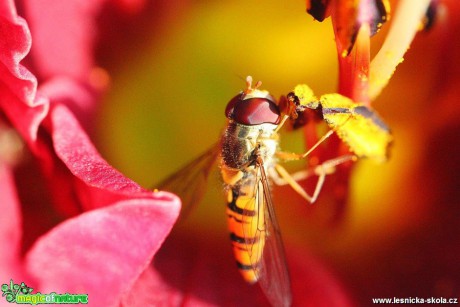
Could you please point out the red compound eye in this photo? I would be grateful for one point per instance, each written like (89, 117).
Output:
(255, 111)
(231, 105)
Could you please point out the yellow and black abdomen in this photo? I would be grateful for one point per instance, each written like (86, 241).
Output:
(243, 216)
(244, 212)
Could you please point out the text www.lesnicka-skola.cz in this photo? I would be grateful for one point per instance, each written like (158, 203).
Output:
(415, 300)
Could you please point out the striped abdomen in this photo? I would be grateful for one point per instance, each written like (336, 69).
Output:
(243, 218)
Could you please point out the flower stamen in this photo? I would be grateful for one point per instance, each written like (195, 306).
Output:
(405, 25)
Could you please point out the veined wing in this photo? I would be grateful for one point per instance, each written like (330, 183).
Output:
(189, 183)
(267, 257)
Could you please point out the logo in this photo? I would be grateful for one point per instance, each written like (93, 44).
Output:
(22, 294)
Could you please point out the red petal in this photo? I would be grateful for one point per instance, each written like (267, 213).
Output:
(313, 284)
(14, 46)
(100, 184)
(152, 289)
(103, 252)
(10, 226)
(17, 85)
(64, 33)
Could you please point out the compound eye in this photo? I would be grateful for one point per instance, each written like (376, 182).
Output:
(256, 111)
(231, 105)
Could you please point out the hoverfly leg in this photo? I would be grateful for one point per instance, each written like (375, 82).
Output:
(328, 167)
(282, 177)
(322, 139)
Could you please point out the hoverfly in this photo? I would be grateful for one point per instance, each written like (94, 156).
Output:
(248, 155)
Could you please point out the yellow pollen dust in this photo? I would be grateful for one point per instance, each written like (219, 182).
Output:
(304, 93)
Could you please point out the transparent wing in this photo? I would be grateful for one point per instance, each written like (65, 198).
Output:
(189, 183)
(268, 259)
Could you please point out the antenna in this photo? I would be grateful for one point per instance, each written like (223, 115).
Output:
(249, 88)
